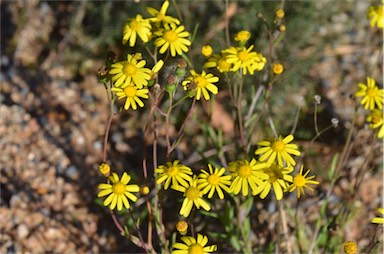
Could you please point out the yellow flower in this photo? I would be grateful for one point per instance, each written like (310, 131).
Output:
(278, 178)
(105, 169)
(118, 192)
(375, 120)
(280, 13)
(203, 83)
(174, 39)
(214, 180)
(175, 172)
(247, 174)
(379, 220)
(242, 36)
(279, 149)
(206, 50)
(144, 190)
(219, 62)
(372, 95)
(350, 247)
(282, 28)
(193, 246)
(156, 69)
(277, 68)
(193, 196)
(130, 72)
(376, 15)
(134, 27)
(300, 182)
(159, 16)
(133, 95)
(246, 59)
(182, 227)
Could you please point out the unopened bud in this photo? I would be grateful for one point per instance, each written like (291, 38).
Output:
(144, 190)
(182, 227)
(105, 169)
(317, 99)
(335, 122)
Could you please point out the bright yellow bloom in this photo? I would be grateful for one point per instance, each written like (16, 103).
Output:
(372, 95)
(203, 83)
(156, 69)
(159, 16)
(105, 169)
(376, 15)
(300, 182)
(193, 246)
(175, 172)
(242, 36)
(277, 68)
(130, 72)
(247, 174)
(118, 192)
(133, 95)
(214, 180)
(279, 149)
(174, 39)
(206, 50)
(375, 120)
(280, 13)
(193, 196)
(219, 62)
(350, 247)
(246, 59)
(278, 178)
(379, 220)
(134, 27)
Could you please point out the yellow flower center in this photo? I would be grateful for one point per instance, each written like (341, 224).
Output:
(130, 91)
(201, 82)
(192, 193)
(278, 146)
(372, 92)
(170, 36)
(223, 65)
(134, 25)
(214, 179)
(196, 249)
(130, 70)
(118, 188)
(160, 16)
(375, 119)
(172, 171)
(299, 181)
(274, 174)
(243, 55)
(245, 171)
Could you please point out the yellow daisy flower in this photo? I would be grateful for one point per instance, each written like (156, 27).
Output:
(173, 39)
(280, 149)
(242, 36)
(136, 26)
(193, 196)
(247, 174)
(300, 182)
(246, 59)
(371, 94)
(350, 247)
(133, 95)
(278, 178)
(160, 16)
(219, 62)
(130, 72)
(376, 15)
(118, 192)
(375, 120)
(214, 180)
(192, 245)
(175, 172)
(280, 13)
(379, 220)
(203, 83)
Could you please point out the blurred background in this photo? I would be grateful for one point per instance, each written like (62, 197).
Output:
(53, 110)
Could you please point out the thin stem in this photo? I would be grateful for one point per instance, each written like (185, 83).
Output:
(315, 122)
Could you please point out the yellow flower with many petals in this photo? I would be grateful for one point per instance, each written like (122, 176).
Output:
(193, 196)
(192, 245)
(214, 180)
(133, 95)
(376, 15)
(130, 72)
(247, 174)
(160, 16)
(118, 192)
(245, 59)
(373, 97)
(379, 220)
(219, 62)
(279, 149)
(173, 39)
(278, 178)
(375, 120)
(136, 27)
(175, 173)
(300, 182)
(202, 83)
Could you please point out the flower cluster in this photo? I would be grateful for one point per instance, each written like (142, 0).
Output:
(373, 100)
